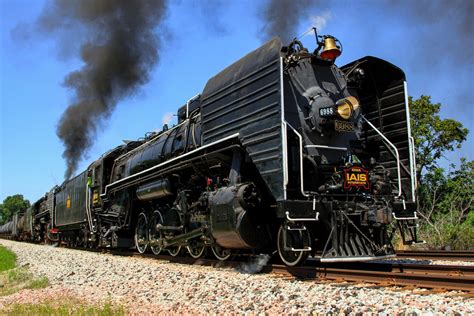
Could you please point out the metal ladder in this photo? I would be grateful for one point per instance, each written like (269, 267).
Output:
(408, 229)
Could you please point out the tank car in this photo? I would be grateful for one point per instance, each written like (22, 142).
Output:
(282, 151)
(13, 229)
(6, 230)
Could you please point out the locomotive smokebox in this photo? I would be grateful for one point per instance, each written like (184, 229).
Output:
(234, 218)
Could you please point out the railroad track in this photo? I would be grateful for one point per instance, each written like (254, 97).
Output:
(444, 277)
(437, 255)
(413, 275)
(417, 275)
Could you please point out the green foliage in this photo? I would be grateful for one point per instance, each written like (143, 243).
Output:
(445, 199)
(7, 259)
(433, 135)
(11, 205)
(446, 206)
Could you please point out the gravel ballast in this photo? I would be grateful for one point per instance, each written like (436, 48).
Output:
(149, 285)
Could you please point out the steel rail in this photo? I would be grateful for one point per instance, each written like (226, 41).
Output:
(437, 255)
(419, 280)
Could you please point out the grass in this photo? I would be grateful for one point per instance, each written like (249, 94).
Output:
(70, 307)
(17, 279)
(7, 259)
(14, 279)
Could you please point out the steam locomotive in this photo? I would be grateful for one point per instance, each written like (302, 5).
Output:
(282, 151)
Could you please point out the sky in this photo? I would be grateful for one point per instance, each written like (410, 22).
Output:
(198, 41)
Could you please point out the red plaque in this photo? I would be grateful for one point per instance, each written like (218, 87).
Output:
(356, 177)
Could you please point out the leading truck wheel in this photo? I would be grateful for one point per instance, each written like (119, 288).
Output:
(141, 233)
(297, 239)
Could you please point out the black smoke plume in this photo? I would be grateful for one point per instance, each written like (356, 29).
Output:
(118, 43)
(281, 18)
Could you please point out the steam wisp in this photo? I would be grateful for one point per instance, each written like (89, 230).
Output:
(255, 265)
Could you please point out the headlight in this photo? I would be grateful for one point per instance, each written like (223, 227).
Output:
(346, 107)
(344, 110)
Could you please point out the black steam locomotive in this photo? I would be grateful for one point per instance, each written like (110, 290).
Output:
(282, 151)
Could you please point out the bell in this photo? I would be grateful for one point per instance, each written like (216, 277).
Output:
(330, 50)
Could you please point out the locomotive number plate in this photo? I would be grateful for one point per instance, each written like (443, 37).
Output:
(356, 177)
(342, 126)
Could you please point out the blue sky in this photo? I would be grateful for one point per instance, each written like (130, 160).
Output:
(196, 45)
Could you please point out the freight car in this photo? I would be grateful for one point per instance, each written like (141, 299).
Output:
(282, 151)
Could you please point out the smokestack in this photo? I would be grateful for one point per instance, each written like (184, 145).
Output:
(119, 48)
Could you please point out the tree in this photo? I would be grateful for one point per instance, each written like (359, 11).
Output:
(433, 135)
(445, 199)
(11, 205)
(446, 205)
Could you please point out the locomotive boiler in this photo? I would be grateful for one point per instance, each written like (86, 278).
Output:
(282, 151)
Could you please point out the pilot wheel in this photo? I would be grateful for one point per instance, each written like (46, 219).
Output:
(295, 239)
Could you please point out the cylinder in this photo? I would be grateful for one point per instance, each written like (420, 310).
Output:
(154, 190)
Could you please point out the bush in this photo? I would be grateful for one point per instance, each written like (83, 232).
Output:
(446, 205)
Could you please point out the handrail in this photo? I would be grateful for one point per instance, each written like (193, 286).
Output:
(415, 177)
(411, 145)
(88, 210)
(189, 102)
(326, 147)
(396, 153)
(284, 144)
(301, 160)
(168, 161)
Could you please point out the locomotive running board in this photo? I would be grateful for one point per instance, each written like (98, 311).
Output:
(164, 163)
